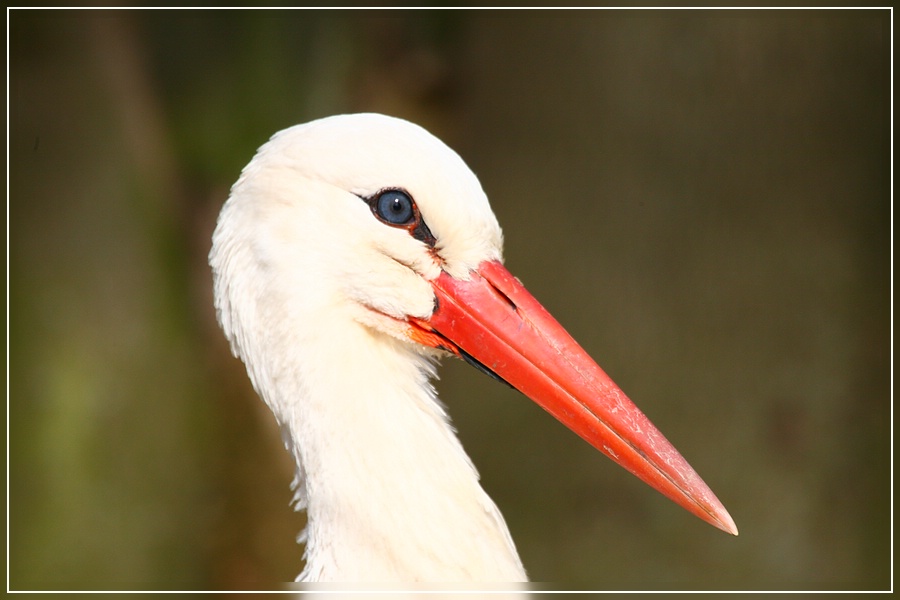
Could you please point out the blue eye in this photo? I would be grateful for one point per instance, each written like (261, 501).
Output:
(394, 207)
(397, 208)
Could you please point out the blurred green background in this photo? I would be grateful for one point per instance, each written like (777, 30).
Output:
(701, 197)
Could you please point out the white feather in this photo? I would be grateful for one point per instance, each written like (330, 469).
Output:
(309, 287)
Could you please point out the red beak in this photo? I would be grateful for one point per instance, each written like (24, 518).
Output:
(493, 322)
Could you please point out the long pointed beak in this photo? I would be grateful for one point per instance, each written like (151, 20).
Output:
(491, 320)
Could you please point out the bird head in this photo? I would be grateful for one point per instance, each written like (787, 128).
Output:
(372, 220)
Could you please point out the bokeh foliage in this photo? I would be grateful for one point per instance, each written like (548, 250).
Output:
(702, 198)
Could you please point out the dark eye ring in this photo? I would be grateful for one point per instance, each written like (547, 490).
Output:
(397, 208)
(394, 207)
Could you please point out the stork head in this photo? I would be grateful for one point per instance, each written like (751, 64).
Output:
(372, 220)
(355, 213)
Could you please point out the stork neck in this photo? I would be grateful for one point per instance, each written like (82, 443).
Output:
(389, 491)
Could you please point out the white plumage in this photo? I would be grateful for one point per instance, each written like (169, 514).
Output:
(333, 309)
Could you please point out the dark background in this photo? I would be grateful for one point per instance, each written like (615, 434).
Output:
(701, 197)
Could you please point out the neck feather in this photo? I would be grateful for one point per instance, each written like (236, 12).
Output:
(389, 491)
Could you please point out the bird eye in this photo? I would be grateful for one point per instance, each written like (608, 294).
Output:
(394, 207)
(397, 208)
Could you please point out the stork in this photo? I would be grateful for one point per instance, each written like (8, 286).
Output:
(352, 253)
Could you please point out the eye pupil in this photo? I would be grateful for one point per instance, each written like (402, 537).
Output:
(395, 207)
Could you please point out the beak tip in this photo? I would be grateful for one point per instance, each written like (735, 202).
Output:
(730, 527)
(722, 520)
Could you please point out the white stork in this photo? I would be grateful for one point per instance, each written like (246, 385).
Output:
(352, 253)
